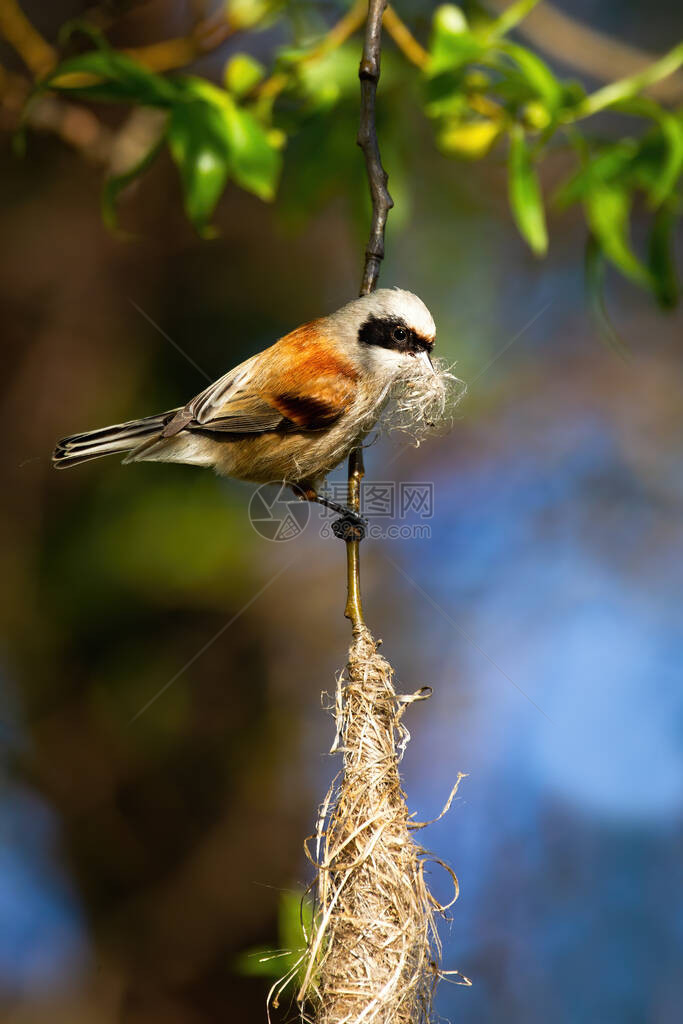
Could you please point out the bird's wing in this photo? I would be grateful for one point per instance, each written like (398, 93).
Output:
(298, 383)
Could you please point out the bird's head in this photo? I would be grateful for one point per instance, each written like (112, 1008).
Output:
(388, 333)
(389, 336)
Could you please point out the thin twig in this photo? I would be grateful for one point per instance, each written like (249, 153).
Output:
(405, 40)
(171, 54)
(382, 202)
(367, 140)
(35, 51)
(354, 606)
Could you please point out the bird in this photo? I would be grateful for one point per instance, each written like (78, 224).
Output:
(294, 411)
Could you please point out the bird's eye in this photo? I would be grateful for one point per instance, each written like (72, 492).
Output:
(399, 334)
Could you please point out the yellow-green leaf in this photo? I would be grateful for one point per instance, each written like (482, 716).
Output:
(201, 149)
(242, 73)
(608, 209)
(245, 14)
(526, 200)
(469, 139)
(661, 258)
(256, 161)
(452, 43)
(536, 73)
(108, 76)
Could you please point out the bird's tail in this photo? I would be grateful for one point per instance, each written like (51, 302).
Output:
(122, 437)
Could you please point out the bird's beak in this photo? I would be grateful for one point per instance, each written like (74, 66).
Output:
(425, 360)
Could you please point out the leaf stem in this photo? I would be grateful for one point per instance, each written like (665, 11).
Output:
(630, 86)
(511, 17)
(405, 40)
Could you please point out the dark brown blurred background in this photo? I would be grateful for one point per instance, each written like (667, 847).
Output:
(141, 853)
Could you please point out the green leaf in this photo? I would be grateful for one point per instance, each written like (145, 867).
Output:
(661, 178)
(337, 71)
(608, 209)
(256, 160)
(444, 95)
(450, 20)
(452, 44)
(262, 962)
(108, 76)
(322, 84)
(212, 138)
(246, 14)
(511, 17)
(200, 146)
(469, 140)
(242, 73)
(526, 200)
(661, 261)
(536, 73)
(209, 136)
(536, 116)
(609, 164)
(672, 133)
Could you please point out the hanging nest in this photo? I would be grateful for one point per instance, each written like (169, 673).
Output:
(373, 950)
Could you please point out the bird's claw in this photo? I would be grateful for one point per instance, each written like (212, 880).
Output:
(350, 526)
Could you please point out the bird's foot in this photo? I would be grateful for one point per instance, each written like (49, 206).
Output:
(351, 526)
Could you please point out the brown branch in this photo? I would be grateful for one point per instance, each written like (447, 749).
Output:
(367, 140)
(171, 54)
(208, 33)
(589, 50)
(36, 52)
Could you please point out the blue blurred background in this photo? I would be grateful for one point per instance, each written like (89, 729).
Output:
(143, 850)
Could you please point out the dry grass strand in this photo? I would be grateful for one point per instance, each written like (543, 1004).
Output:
(424, 404)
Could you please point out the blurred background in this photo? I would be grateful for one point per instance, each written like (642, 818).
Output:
(164, 747)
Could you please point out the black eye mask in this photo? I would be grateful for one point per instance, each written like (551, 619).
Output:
(393, 333)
